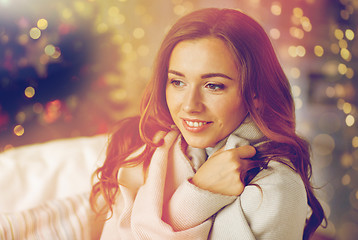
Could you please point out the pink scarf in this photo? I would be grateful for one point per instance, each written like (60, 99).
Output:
(157, 209)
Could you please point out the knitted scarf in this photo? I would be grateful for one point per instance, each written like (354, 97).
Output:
(166, 205)
(246, 134)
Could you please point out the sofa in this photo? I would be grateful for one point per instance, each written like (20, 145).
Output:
(44, 188)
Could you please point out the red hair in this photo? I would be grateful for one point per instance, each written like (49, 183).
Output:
(265, 91)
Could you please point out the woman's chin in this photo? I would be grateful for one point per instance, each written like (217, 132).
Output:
(198, 143)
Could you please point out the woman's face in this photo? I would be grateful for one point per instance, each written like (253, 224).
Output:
(203, 91)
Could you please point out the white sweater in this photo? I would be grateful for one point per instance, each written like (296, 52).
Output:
(167, 206)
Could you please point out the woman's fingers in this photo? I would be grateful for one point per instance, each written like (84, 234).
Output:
(246, 151)
(221, 172)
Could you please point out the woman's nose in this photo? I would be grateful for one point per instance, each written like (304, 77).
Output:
(193, 102)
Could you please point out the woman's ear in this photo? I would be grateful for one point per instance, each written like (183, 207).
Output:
(256, 102)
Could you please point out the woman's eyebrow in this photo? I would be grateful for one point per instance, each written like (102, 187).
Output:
(204, 76)
(176, 73)
(212, 75)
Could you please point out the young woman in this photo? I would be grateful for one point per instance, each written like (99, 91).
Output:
(214, 153)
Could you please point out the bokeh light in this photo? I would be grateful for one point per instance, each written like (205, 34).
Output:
(275, 33)
(276, 8)
(19, 130)
(50, 50)
(35, 33)
(42, 24)
(350, 120)
(349, 34)
(29, 92)
(318, 50)
(323, 144)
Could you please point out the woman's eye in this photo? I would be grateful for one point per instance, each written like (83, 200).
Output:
(215, 87)
(177, 83)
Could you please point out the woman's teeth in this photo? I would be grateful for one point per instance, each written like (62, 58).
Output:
(195, 124)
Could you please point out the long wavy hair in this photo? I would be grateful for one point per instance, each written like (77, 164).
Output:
(265, 91)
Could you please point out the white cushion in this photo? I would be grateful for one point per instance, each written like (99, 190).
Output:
(33, 174)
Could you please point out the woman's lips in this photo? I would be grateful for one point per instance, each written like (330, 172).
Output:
(195, 125)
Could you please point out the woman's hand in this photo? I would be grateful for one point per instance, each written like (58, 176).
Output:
(221, 172)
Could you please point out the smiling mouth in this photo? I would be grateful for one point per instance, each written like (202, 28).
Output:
(195, 126)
